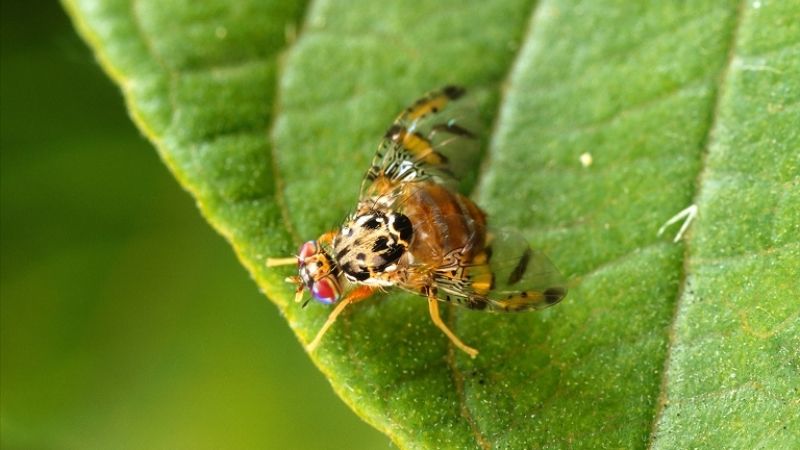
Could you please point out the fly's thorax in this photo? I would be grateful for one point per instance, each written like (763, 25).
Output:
(372, 244)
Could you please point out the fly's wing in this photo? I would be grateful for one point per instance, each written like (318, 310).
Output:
(507, 276)
(434, 138)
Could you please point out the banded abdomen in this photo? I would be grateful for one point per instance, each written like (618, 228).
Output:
(442, 221)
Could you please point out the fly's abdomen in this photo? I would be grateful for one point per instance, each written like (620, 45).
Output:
(443, 221)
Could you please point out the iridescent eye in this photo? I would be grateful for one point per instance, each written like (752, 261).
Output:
(306, 250)
(325, 291)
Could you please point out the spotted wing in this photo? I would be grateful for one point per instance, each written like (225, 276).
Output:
(434, 138)
(506, 276)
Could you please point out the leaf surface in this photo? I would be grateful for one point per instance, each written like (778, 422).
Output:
(268, 114)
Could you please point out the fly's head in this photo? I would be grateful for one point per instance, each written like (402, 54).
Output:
(318, 273)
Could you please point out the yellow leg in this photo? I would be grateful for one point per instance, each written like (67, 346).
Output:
(355, 296)
(331, 318)
(433, 307)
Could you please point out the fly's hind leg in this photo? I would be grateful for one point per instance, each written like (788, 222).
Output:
(433, 307)
(358, 294)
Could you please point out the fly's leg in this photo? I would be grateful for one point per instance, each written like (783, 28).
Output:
(358, 294)
(433, 307)
(275, 262)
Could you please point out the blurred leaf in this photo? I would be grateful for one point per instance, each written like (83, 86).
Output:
(659, 344)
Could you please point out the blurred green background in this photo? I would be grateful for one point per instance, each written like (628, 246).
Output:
(126, 321)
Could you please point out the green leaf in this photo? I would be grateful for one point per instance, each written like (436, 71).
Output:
(270, 124)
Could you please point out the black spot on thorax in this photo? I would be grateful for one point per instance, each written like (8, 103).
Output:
(390, 256)
(372, 224)
(402, 225)
(381, 244)
(356, 272)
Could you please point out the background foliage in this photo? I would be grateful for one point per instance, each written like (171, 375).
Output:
(267, 112)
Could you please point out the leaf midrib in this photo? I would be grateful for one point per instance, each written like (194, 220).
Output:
(708, 138)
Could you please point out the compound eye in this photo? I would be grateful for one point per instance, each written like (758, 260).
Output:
(325, 291)
(306, 250)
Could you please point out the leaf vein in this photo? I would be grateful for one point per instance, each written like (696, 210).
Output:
(770, 51)
(623, 258)
(458, 380)
(149, 44)
(715, 100)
